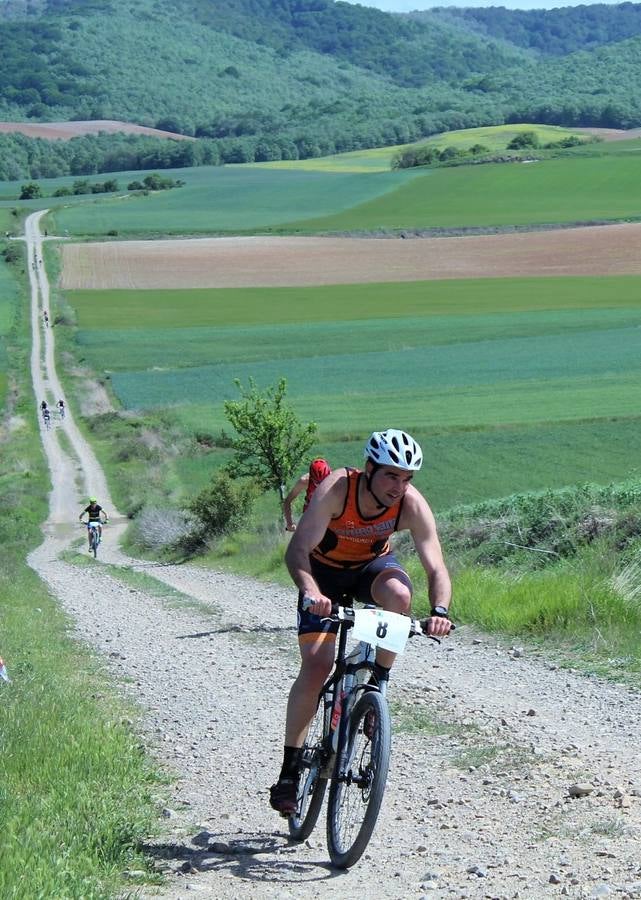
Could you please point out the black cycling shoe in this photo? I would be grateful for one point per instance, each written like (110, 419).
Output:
(283, 796)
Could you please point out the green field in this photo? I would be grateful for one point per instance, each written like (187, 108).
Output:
(227, 198)
(498, 370)
(242, 199)
(577, 189)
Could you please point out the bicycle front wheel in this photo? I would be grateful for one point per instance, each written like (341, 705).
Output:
(311, 785)
(356, 794)
(94, 542)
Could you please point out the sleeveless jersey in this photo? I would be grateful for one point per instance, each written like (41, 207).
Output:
(352, 539)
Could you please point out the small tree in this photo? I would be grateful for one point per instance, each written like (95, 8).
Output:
(30, 191)
(524, 140)
(271, 441)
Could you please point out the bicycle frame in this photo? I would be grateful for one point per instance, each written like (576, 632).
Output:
(334, 685)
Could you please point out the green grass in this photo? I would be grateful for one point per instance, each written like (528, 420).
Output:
(497, 137)
(9, 297)
(222, 198)
(76, 790)
(548, 191)
(356, 303)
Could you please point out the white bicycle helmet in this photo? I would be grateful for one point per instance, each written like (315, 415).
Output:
(394, 448)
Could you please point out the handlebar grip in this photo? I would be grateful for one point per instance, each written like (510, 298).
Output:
(309, 601)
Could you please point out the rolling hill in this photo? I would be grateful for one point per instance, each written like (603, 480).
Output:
(283, 79)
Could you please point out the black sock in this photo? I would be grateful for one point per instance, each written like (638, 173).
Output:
(379, 673)
(291, 761)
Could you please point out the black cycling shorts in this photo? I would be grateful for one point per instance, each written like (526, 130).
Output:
(343, 586)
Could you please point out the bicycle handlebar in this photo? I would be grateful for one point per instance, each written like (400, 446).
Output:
(345, 614)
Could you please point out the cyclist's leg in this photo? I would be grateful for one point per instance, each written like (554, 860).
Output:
(316, 640)
(385, 582)
(317, 659)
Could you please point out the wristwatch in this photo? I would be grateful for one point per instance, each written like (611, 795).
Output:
(441, 612)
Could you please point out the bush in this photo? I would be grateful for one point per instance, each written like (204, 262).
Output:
(12, 253)
(30, 191)
(223, 507)
(524, 140)
(160, 527)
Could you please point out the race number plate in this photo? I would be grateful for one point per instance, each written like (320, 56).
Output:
(381, 629)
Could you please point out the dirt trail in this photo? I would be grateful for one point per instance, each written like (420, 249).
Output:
(476, 807)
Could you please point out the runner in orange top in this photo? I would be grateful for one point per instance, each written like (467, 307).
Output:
(341, 549)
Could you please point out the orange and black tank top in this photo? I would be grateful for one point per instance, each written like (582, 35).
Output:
(353, 539)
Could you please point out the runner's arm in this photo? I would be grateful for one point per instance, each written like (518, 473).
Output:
(298, 488)
(327, 502)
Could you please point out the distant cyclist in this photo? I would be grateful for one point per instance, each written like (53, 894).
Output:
(61, 408)
(94, 513)
(318, 470)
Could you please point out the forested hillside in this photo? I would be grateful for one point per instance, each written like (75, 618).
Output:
(271, 79)
(554, 32)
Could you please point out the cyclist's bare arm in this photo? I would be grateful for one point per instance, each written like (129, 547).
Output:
(326, 503)
(298, 488)
(419, 519)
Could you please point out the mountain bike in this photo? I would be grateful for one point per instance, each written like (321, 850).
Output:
(349, 740)
(94, 537)
(46, 418)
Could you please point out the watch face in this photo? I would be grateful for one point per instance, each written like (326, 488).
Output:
(439, 611)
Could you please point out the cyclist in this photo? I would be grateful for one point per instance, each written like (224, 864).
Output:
(61, 408)
(341, 548)
(318, 470)
(46, 416)
(94, 513)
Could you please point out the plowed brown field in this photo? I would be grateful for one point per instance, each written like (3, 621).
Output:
(294, 261)
(66, 130)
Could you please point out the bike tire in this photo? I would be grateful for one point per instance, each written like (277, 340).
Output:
(312, 785)
(355, 799)
(94, 544)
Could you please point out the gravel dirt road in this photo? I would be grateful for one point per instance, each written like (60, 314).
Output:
(489, 741)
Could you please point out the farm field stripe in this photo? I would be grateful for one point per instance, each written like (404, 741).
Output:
(300, 261)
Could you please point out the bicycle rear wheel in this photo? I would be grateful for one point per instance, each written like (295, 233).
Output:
(355, 797)
(311, 785)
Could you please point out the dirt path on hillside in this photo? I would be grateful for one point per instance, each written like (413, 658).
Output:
(262, 261)
(478, 807)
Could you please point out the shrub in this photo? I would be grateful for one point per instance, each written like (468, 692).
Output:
(161, 527)
(12, 253)
(524, 140)
(222, 507)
